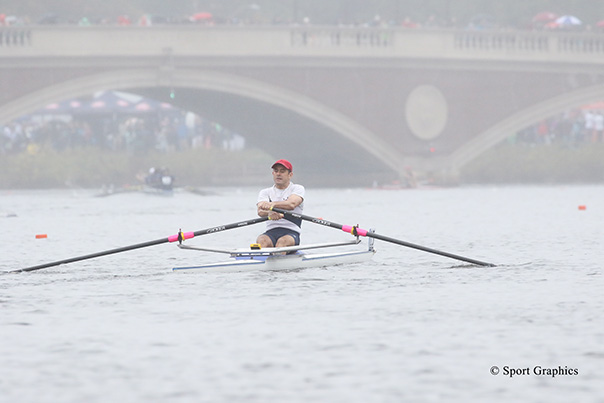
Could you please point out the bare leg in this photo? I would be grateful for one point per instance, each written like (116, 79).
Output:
(264, 241)
(285, 240)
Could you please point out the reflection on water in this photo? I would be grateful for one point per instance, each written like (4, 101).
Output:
(409, 326)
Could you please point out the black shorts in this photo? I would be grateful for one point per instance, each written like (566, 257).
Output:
(276, 233)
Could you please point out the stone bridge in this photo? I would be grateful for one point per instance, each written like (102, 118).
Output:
(363, 102)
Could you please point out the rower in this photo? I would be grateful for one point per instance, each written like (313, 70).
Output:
(286, 195)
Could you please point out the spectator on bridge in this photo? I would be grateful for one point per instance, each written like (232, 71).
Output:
(408, 23)
(84, 22)
(543, 132)
(576, 133)
(589, 125)
(482, 22)
(145, 21)
(598, 130)
(432, 22)
(124, 20)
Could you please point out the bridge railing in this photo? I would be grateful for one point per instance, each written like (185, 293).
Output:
(15, 37)
(530, 42)
(342, 37)
(462, 40)
(302, 41)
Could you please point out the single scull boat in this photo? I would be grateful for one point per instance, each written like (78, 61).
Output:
(269, 258)
(285, 258)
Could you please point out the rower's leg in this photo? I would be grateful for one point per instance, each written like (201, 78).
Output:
(285, 240)
(265, 241)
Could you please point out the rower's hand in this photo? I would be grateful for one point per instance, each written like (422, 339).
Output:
(266, 206)
(273, 215)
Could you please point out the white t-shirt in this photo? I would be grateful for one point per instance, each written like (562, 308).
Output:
(273, 194)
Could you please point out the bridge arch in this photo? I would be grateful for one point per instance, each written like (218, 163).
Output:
(522, 119)
(158, 83)
(345, 92)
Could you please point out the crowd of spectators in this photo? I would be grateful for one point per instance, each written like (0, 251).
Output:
(252, 16)
(133, 134)
(572, 128)
(30, 134)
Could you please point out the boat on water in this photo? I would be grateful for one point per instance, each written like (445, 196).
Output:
(294, 257)
(283, 258)
(159, 179)
(157, 190)
(146, 189)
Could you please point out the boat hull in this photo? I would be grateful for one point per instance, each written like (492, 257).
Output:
(283, 262)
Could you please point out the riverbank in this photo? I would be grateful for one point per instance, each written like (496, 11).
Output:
(533, 164)
(93, 168)
(90, 168)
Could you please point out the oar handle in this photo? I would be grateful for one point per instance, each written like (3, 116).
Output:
(354, 230)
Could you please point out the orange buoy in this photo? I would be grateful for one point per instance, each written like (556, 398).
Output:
(41, 236)
(582, 207)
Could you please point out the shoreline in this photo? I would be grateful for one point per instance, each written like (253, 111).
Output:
(93, 168)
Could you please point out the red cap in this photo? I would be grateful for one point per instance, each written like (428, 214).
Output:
(285, 163)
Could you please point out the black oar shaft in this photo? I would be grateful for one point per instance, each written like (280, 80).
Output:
(92, 255)
(359, 231)
(172, 238)
(426, 249)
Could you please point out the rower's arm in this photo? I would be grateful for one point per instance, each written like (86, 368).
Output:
(262, 212)
(291, 203)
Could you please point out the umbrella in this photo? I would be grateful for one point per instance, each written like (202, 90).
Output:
(596, 106)
(65, 107)
(106, 103)
(123, 103)
(600, 24)
(150, 105)
(568, 20)
(198, 17)
(552, 24)
(124, 20)
(545, 16)
(143, 107)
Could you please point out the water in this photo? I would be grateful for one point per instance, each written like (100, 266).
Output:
(409, 326)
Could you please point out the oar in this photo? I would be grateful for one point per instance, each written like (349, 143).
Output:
(358, 231)
(173, 238)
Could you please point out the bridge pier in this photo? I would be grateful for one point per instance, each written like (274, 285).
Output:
(437, 171)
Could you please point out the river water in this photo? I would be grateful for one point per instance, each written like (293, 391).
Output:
(408, 326)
